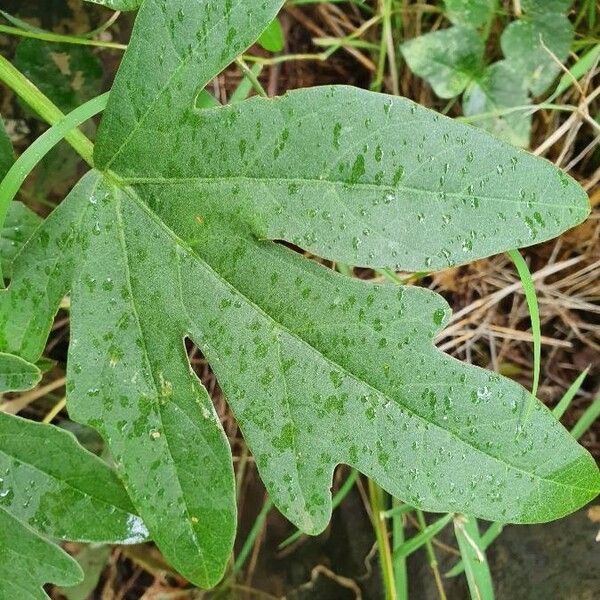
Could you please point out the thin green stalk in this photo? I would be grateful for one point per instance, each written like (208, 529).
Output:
(433, 563)
(397, 509)
(383, 544)
(243, 89)
(384, 11)
(47, 36)
(559, 410)
(251, 539)
(479, 577)
(427, 533)
(536, 329)
(31, 157)
(491, 533)
(532, 108)
(398, 538)
(252, 78)
(44, 107)
(587, 419)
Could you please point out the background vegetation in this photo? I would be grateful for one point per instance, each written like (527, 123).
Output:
(527, 75)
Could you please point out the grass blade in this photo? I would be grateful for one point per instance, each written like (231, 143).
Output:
(424, 536)
(471, 550)
(399, 562)
(492, 532)
(587, 419)
(536, 329)
(560, 409)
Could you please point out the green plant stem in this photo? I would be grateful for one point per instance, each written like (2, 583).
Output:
(384, 11)
(251, 539)
(559, 410)
(400, 573)
(47, 36)
(433, 563)
(586, 420)
(383, 545)
(44, 107)
(492, 532)
(252, 78)
(533, 108)
(425, 535)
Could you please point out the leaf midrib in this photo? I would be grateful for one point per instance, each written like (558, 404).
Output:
(130, 193)
(316, 181)
(123, 244)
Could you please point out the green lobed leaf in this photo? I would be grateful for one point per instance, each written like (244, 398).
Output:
(448, 59)
(274, 326)
(20, 223)
(49, 482)
(173, 243)
(500, 97)
(16, 374)
(472, 13)
(28, 561)
(164, 435)
(523, 44)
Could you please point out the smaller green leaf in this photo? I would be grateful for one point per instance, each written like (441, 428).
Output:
(119, 4)
(530, 43)
(272, 38)
(473, 13)
(28, 561)
(50, 482)
(16, 374)
(500, 97)
(20, 223)
(448, 60)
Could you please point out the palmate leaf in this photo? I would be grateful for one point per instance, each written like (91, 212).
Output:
(171, 239)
